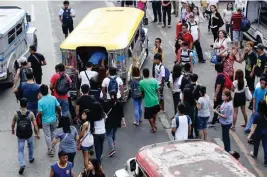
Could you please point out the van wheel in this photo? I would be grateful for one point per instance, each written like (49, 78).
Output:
(10, 80)
(258, 40)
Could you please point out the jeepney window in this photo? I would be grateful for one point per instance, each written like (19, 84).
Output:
(19, 29)
(11, 35)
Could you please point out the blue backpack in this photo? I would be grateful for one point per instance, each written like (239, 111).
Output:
(245, 24)
(136, 94)
(66, 17)
(113, 85)
(194, 58)
(167, 73)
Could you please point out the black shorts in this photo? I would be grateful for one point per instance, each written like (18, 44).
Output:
(68, 28)
(239, 99)
(129, 3)
(151, 111)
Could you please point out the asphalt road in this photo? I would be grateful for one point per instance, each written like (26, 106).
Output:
(129, 139)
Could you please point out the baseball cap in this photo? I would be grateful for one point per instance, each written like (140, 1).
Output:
(184, 1)
(260, 46)
(22, 59)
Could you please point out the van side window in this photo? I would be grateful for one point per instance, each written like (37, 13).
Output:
(11, 35)
(19, 29)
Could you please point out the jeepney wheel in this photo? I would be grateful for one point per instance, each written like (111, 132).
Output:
(10, 80)
(258, 40)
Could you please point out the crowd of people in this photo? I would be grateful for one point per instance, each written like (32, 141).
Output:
(48, 106)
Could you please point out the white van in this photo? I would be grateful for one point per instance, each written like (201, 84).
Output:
(15, 38)
(256, 13)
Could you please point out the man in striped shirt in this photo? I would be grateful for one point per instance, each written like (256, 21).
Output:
(236, 20)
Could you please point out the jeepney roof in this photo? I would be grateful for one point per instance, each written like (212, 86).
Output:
(9, 18)
(111, 27)
(191, 159)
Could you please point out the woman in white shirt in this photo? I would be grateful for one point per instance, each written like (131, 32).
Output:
(227, 14)
(221, 43)
(175, 80)
(198, 17)
(239, 88)
(98, 117)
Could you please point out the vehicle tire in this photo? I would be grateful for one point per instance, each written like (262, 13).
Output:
(35, 41)
(10, 80)
(258, 40)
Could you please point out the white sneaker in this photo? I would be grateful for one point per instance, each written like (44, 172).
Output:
(159, 23)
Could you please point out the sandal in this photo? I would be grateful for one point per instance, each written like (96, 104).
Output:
(233, 128)
(243, 125)
(153, 131)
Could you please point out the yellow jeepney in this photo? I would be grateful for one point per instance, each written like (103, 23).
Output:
(115, 32)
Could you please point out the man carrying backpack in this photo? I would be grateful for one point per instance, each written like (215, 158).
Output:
(112, 83)
(195, 32)
(24, 120)
(60, 84)
(160, 77)
(66, 16)
(21, 72)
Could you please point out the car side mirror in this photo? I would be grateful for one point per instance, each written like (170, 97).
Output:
(28, 18)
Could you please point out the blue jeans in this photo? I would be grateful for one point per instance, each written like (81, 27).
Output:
(250, 122)
(110, 133)
(226, 137)
(137, 110)
(21, 144)
(258, 137)
(64, 104)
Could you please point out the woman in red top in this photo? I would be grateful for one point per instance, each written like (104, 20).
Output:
(228, 60)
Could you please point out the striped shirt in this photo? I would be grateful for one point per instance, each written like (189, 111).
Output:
(236, 21)
(185, 56)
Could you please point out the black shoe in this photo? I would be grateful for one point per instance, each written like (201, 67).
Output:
(250, 107)
(154, 21)
(21, 170)
(211, 46)
(202, 61)
(31, 161)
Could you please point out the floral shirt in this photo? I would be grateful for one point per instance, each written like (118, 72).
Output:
(228, 65)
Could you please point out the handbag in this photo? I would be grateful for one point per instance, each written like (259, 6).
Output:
(248, 94)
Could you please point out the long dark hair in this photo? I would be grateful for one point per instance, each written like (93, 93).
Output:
(262, 108)
(97, 167)
(176, 72)
(64, 123)
(97, 112)
(197, 9)
(232, 8)
(188, 96)
(239, 76)
(89, 119)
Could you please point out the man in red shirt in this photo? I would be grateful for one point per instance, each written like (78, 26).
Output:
(236, 20)
(60, 90)
(186, 36)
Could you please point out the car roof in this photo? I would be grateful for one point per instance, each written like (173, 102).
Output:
(110, 27)
(9, 17)
(190, 159)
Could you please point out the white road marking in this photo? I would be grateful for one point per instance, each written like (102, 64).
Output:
(252, 162)
(32, 13)
(109, 3)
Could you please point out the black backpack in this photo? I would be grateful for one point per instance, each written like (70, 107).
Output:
(23, 76)
(24, 126)
(62, 85)
(136, 94)
(66, 17)
(113, 85)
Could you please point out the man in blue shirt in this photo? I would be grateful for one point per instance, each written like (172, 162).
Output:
(62, 167)
(47, 107)
(258, 95)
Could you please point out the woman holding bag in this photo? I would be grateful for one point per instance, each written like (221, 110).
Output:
(239, 88)
(115, 115)
(86, 139)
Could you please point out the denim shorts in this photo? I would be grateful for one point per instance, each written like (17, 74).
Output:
(202, 123)
(86, 148)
